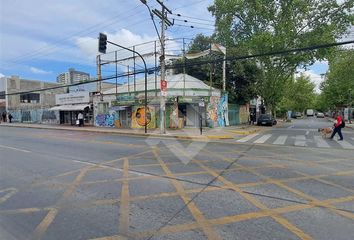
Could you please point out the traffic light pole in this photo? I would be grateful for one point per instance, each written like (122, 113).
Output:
(145, 71)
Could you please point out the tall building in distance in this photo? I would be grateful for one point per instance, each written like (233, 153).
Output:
(72, 76)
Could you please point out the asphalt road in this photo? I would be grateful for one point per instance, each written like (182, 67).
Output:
(302, 133)
(76, 185)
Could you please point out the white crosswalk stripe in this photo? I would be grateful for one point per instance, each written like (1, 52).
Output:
(247, 138)
(320, 142)
(300, 140)
(263, 138)
(345, 144)
(280, 140)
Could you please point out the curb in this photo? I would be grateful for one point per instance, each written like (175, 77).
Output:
(191, 137)
(244, 132)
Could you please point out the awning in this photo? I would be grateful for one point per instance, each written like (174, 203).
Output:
(76, 107)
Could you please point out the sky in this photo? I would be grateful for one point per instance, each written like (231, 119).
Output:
(43, 38)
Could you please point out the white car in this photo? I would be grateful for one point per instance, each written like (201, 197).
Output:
(320, 115)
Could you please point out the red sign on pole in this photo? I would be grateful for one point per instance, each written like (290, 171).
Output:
(163, 85)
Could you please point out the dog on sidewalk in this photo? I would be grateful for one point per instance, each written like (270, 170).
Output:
(325, 132)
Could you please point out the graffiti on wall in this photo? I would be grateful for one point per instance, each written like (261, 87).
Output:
(26, 116)
(173, 116)
(138, 117)
(217, 111)
(223, 118)
(212, 111)
(108, 120)
(35, 116)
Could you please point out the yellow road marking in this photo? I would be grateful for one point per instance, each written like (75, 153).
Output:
(197, 214)
(116, 237)
(48, 219)
(284, 222)
(124, 206)
(10, 193)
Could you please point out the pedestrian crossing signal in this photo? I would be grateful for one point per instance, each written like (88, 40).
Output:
(102, 43)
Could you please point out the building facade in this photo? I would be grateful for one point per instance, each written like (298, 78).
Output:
(28, 107)
(72, 76)
(189, 102)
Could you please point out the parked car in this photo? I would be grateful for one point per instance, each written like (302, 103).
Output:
(309, 112)
(296, 115)
(266, 119)
(320, 115)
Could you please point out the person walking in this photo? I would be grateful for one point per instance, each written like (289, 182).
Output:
(338, 127)
(4, 116)
(10, 118)
(81, 119)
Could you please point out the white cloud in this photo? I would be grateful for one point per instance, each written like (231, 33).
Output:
(39, 71)
(2, 75)
(314, 77)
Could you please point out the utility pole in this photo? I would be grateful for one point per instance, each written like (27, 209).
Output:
(224, 74)
(163, 75)
(163, 83)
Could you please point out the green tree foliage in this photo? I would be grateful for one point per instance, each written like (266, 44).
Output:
(338, 87)
(263, 26)
(242, 76)
(202, 72)
(299, 94)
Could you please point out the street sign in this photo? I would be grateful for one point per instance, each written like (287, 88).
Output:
(163, 85)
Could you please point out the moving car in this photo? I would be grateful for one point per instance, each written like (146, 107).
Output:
(266, 119)
(320, 115)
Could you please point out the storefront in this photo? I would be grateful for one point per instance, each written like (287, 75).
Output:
(69, 105)
(188, 101)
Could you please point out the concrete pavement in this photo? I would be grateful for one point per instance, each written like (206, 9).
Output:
(230, 132)
(185, 133)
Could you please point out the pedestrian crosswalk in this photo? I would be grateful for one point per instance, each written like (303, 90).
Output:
(305, 140)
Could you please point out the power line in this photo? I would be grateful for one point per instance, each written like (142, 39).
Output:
(187, 21)
(216, 60)
(200, 19)
(191, 26)
(70, 36)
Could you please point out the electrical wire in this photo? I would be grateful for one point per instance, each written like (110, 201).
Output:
(75, 34)
(200, 19)
(174, 66)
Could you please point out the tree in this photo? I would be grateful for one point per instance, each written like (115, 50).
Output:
(338, 87)
(263, 26)
(242, 76)
(299, 94)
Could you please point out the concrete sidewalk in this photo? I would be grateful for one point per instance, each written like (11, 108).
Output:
(185, 133)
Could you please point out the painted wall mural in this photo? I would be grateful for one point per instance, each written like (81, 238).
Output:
(108, 120)
(173, 123)
(35, 116)
(212, 111)
(223, 118)
(138, 117)
(217, 111)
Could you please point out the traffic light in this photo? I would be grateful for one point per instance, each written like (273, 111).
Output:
(102, 43)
